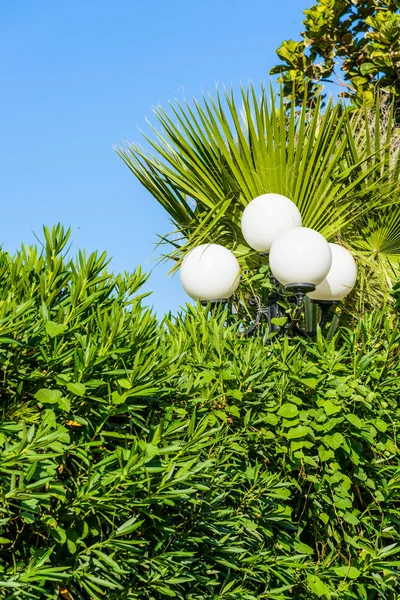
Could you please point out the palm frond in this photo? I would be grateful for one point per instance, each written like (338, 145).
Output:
(210, 159)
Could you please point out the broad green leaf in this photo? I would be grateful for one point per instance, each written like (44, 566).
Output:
(64, 404)
(330, 408)
(334, 440)
(298, 432)
(354, 420)
(303, 548)
(279, 321)
(325, 454)
(272, 419)
(54, 329)
(347, 572)
(79, 389)
(381, 425)
(317, 586)
(46, 396)
(288, 411)
(351, 518)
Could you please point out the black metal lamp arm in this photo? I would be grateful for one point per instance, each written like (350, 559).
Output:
(271, 310)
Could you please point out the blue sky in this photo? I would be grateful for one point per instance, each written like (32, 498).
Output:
(79, 76)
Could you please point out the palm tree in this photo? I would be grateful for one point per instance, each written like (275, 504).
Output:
(375, 237)
(209, 159)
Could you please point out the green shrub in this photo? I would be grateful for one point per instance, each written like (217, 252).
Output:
(146, 460)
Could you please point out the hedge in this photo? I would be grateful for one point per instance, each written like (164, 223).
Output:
(177, 459)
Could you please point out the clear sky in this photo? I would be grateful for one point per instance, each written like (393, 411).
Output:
(78, 76)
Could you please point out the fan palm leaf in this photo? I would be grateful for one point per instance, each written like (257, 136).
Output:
(375, 236)
(209, 160)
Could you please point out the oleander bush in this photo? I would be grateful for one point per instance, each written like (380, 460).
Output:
(177, 459)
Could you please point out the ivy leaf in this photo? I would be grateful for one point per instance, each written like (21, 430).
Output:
(350, 572)
(53, 329)
(298, 432)
(333, 441)
(331, 408)
(288, 411)
(325, 454)
(280, 321)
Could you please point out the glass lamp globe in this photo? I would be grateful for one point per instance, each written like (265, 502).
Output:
(300, 255)
(210, 272)
(341, 278)
(266, 217)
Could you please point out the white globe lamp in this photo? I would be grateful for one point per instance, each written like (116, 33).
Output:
(341, 277)
(300, 256)
(210, 272)
(266, 217)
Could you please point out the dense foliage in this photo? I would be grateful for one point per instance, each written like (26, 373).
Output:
(180, 460)
(357, 40)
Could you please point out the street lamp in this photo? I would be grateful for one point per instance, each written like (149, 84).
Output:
(300, 259)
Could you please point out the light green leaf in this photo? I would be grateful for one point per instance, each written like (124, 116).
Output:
(279, 321)
(330, 408)
(317, 586)
(233, 410)
(64, 404)
(303, 548)
(271, 419)
(333, 441)
(354, 420)
(53, 329)
(129, 526)
(298, 432)
(348, 572)
(46, 396)
(151, 450)
(381, 425)
(325, 454)
(116, 398)
(79, 389)
(288, 411)
(350, 518)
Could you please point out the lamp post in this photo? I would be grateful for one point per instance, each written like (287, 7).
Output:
(301, 261)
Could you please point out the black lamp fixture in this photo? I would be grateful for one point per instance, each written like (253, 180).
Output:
(302, 263)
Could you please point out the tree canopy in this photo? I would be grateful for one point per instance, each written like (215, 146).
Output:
(355, 42)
